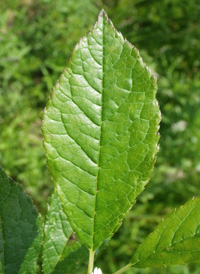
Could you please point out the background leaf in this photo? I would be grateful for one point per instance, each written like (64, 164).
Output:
(175, 241)
(21, 229)
(62, 252)
(100, 129)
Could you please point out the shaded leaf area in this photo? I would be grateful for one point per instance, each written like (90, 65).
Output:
(62, 252)
(20, 230)
(100, 130)
(175, 241)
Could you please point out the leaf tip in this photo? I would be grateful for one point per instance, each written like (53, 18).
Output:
(103, 13)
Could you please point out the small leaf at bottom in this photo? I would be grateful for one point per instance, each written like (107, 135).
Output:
(62, 251)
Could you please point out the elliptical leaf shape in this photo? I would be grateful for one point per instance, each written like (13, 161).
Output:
(100, 132)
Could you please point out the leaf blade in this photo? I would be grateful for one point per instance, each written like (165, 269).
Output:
(21, 229)
(175, 241)
(104, 109)
(62, 253)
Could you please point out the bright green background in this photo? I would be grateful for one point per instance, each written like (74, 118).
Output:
(36, 38)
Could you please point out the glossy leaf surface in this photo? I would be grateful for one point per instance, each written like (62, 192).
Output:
(62, 252)
(20, 230)
(100, 132)
(175, 241)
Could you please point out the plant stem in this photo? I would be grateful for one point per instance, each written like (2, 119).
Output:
(123, 269)
(91, 262)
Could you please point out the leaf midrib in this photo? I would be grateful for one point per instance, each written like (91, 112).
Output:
(100, 129)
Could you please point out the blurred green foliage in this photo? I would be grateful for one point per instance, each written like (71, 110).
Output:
(36, 39)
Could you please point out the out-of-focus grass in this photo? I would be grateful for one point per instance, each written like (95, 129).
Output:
(36, 39)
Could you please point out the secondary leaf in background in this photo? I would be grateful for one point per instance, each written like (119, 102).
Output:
(20, 231)
(175, 241)
(100, 132)
(62, 252)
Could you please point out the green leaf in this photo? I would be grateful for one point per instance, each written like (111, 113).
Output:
(100, 132)
(62, 252)
(175, 241)
(21, 229)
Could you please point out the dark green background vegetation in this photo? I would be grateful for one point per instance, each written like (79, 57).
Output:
(36, 39)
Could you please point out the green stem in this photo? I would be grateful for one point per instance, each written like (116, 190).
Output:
(91, 262)
(123, 269)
